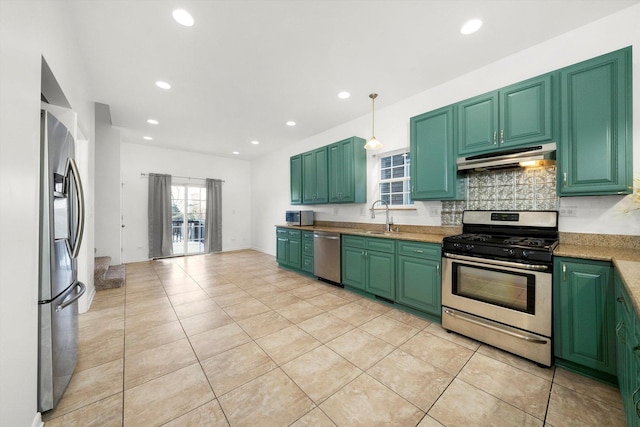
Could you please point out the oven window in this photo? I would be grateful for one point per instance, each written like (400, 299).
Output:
(505, 289)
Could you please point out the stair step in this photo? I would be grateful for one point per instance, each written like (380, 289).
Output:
(107, 276)
(114, 278)
(101, 265)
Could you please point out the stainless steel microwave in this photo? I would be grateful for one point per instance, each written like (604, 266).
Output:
(299, 218)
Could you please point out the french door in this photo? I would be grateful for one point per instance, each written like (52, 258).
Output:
(188, 207)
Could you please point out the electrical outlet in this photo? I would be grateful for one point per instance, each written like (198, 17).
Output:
(434, 211)
(568, 211)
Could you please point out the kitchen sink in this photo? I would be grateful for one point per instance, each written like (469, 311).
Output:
(383, 233)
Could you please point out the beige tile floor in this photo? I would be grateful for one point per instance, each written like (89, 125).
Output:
(231, 339)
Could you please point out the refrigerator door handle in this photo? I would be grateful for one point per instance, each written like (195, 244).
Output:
(65, 304)
(73, 167)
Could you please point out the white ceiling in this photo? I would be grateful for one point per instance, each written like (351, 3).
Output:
(248, 66)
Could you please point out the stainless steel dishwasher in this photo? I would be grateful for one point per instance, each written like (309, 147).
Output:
(326, 255)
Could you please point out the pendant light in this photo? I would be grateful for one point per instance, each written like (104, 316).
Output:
(373, 143)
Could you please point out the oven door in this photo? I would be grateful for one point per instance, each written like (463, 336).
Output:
(505, 292)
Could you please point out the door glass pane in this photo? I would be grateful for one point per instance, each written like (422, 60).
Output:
(505, 289)
(188, 218)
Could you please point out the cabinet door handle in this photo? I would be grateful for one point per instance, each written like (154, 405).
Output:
(495, 137)
(438, 269)
(420, 251)
(564, 179)
(620, 332)
(501, 136)
(564, 272)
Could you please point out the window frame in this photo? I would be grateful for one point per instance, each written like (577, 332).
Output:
(406, 179)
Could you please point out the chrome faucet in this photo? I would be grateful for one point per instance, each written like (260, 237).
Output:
(388, 222)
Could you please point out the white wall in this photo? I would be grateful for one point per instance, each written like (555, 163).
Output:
(270, 174)
(28, 30)
(107, 172)
(236, 193)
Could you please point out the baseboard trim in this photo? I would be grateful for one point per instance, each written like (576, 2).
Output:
(37, 421)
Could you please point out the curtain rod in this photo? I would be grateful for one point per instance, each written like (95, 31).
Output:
(183, 177)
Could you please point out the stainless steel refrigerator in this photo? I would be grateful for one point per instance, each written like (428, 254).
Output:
(61, 228)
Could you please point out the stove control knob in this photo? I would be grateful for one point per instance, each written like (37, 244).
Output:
(469, 247)
(457, 246)
(525, 254)
(510, 252)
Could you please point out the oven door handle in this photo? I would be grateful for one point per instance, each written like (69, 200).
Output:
(533, 267)
(528, 338)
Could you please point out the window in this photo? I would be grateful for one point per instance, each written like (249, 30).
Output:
(395, 180)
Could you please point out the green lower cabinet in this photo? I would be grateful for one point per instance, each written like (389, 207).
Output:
(584, 317)
(628, 353)
(419, 284)
(419, 279)
(368, 264)
(288, 247)
(353, 267)
(307, 251)
(381, 274)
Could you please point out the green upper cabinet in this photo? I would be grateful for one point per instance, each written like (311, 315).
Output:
(335, 173)
(295, 167)
(314, 176)
(433, 162)
(514, 116)
(584, 315)
(347, 171)
(478, 124)
(594, 150)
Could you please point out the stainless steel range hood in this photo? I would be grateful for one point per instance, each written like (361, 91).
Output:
(509, 158)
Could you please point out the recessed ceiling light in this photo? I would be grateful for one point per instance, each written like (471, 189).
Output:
(344, 95)
(163, 85)
(254, 142)
(471, 26)
(291, 123)
(183, 17)
(153, 121)
(236, 152)
(148, 138)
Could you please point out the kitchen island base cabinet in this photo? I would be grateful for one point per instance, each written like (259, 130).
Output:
(419, 279)
(584, 317)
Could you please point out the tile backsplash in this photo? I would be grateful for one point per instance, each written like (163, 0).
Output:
(522, 189)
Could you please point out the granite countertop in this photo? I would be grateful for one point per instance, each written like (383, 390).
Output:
(425, 234)
(622, 251)
(398, 235)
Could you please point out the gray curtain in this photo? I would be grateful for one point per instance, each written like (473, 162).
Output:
(213, 222)
(160, 241)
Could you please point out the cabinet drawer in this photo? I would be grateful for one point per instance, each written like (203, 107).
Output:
(307, 263)
(382, 245)
(353, 241)
(307, 235)
(420, 250)
(282, 232)
(294, 234)
(307, 247)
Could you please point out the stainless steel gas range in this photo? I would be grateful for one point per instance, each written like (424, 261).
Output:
(497, 280)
